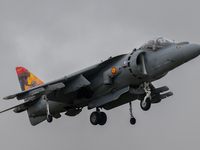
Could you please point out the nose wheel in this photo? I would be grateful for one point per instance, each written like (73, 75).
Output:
(145, 104)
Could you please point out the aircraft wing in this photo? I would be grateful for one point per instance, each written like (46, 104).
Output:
(71, 82)
(128, 94)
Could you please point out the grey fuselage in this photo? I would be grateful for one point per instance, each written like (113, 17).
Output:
(116, 74)
(134, 70)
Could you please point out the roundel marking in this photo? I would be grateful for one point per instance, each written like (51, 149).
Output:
(114, 70)
(125, 62)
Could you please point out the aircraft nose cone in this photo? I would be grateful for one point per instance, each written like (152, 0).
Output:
(191, 51)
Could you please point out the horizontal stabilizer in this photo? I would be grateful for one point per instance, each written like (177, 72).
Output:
(25, 94)
(37, 91)
(24, 105)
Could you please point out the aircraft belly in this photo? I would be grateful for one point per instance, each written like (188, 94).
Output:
(107, 98)
(123, 99)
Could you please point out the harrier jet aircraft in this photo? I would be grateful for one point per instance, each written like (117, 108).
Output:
(106, 85)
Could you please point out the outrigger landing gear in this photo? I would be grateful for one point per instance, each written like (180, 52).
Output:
(146, 103)
(49, 116)
(132, 120)
(98, 117)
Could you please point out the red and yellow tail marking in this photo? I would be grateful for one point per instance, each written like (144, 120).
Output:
(27, 79)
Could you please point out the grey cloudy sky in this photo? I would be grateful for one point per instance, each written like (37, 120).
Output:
(55, 38)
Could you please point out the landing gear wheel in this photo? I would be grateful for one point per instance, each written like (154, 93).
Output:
(103, 118)
(49, 118)
(95, 118)
(132, 121)
(145, 105)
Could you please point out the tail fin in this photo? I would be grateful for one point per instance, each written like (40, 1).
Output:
(27, 79)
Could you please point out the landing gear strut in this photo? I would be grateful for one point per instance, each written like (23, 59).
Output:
(98, 117)
(146, 103)
(132, 120)
(49, 116)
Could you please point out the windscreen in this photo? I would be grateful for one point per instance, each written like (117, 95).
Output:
(157, 43)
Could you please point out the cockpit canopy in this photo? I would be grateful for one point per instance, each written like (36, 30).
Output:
(157, 43)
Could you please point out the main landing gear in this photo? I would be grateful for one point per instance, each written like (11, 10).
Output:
(98, 117)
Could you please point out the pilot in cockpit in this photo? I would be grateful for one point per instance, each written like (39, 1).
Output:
(157, 43)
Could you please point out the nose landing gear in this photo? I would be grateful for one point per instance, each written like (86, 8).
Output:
(146, 103)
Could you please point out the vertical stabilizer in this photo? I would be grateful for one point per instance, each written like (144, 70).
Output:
(27, 79)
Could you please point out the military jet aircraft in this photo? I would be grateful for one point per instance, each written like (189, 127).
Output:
(106, 85)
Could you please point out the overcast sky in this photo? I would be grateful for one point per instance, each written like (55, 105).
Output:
(56, 38)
